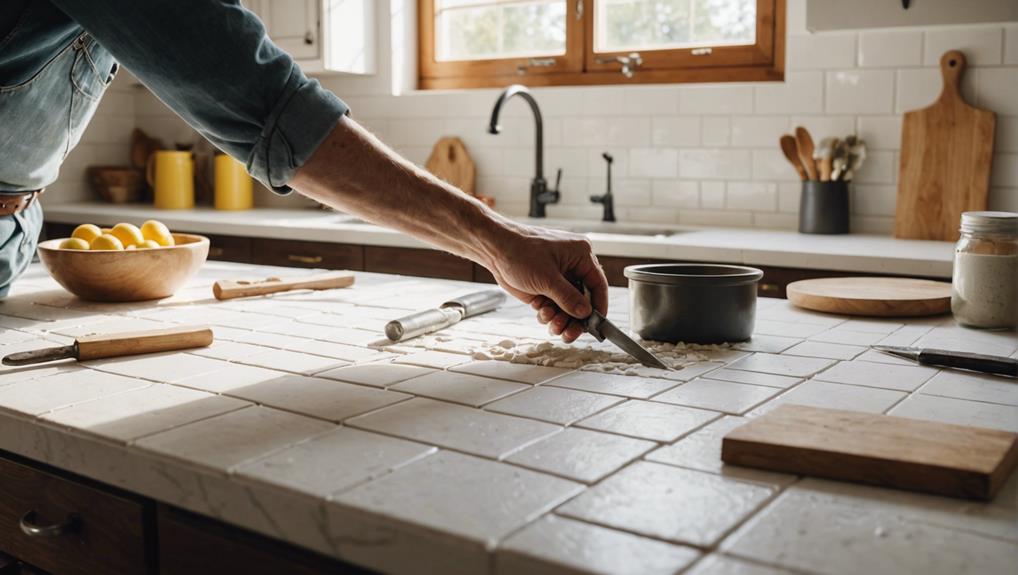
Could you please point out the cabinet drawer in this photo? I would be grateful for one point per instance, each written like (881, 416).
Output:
(417, 262)
(106, 534)
(301, 254)
(230, 249)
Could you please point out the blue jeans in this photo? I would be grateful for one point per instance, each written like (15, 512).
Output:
(19, 235)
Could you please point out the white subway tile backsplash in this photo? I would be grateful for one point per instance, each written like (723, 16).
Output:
(771, 164)
(920, 87)
(416, 132)
(655, 215)
(821, 51)
(712, 195)
(719, 164)
(997, 90)
(1005, 171)
(653, 163)
(775, 221)
(716, 131)
(1003, 199)
(880, 132)
(821, 127)
(675, 131)
(859, 92)
(627, 192)
(629, 131)
(1011, 44)
(800, 93)
(980, 44)
(716, 218)
(1006, 134)
(755, 196)
(675, 193)
(652, 100)
(758, 131)
(880, 167)
(890, 48)
(788, 197)
(723, 99)
(873, 200)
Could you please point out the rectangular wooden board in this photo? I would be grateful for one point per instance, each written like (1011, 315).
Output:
(911, 454)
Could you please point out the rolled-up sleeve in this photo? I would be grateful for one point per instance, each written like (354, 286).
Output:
(212, 63)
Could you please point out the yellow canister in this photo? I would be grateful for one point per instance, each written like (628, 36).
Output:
(171, 175)
(233, 185)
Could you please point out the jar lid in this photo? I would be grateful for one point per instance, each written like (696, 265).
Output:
(1004, 223)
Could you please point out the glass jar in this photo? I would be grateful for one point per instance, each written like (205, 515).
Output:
(985, 281)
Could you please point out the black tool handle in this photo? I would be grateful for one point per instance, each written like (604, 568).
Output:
(971, 361)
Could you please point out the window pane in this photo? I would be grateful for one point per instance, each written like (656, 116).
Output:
(485, 29)
(622, 25)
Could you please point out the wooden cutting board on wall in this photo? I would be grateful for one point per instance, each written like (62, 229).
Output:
(450, 161)
(946, 152)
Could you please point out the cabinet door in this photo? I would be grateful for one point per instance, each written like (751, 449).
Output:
(292, 24)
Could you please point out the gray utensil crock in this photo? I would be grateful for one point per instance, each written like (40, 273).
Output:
(692, 303)
(823, 207)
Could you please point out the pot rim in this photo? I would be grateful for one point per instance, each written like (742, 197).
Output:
(728, 274)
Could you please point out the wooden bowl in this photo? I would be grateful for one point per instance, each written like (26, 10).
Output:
(115, 184)
(120, 276)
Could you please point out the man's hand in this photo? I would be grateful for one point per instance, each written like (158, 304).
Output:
(536, 266)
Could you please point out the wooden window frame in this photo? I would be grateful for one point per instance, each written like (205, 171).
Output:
(762, 61)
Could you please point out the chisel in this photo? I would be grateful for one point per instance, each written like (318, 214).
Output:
(118, 344)
(444, 315)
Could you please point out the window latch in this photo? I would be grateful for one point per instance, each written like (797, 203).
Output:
(535, 63)
(629, 63)
(579, 9)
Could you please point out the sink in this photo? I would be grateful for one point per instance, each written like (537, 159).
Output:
(619, 230)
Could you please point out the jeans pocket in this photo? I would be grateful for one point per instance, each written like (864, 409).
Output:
(94, 68)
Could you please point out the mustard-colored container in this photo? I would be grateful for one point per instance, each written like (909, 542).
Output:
(171, 175)
(234, 189)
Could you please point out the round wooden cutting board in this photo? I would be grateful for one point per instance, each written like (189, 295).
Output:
(872, 296)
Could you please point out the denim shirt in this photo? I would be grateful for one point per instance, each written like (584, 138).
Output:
(210, 61)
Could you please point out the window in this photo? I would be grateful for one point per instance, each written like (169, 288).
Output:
(484, 43)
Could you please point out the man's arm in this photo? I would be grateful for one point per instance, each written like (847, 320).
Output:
(354, 172)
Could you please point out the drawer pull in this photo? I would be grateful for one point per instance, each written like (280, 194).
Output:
(770, 287)
(215, 252)
(32, 529)
(305, 259)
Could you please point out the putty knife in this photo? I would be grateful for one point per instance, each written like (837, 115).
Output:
(118, 344)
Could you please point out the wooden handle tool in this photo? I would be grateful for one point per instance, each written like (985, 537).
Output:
(824, 156)
(804, 143)
(791, 151)
(230, 289)
(118, 345)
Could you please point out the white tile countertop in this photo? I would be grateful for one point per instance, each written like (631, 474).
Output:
(853, 252)
(295, 424)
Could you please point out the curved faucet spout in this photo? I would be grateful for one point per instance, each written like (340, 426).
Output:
(494, 127)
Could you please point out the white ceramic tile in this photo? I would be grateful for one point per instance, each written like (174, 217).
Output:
(782, 364)
(580, 454)
(335, 461)
(434, 359)
(847, 336)
(836, 396)
(382, 374)
(758, 131)
(164, 367)
(753, 378)
(701, 450)
(612, 384)
(821, 51)
(716, 564)
(859, 92)
(456, 427)
(995, 84)
(676, 193)
(520, 372)
(1006, 134)
(815, 531)
(472, 390)
(232, 376)
(821, 349)
(225, 441)
(768, 343)
(959, 411)
(972, 386)
(800, 93)
(890, 48)
(648, 420)
(653, 163)
(316, 397)
(292, 361)
(36, 371)
(554, 404)
(880, 132)
(716, 100)
(675, 131)
(713, 163)
(668, 503)
(557, 545)
(37, 396)
(133, 414)
(717, 131)
(717, 395)
(869, 374)
(980, 44)
(452, 493)
(757, 196)
(340, 351)
(787, 329)
(229, 350)
(920, 87)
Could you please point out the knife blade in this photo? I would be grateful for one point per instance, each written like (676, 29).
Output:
(992, 364)
(601, 328)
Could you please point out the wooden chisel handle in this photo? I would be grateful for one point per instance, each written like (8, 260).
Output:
(229, 289)
(139, 342)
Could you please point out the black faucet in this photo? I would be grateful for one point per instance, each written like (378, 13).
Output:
(607, 199)
(540, 195)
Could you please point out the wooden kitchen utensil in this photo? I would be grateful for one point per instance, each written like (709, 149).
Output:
(824, 156)
(230, 289)
(791, 151)
(917, 455)
(804, 143)
(872, 296)
(946, 152)
(118, 345)
(450, 161)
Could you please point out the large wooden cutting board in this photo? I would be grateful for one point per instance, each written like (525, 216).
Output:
(872, 296)
(450, 161)
(928, 456)
(946, 152)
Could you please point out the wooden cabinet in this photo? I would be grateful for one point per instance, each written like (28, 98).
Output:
(230, 249)
(302, 254)
(322, 35)
(67, 526)
(417, 262)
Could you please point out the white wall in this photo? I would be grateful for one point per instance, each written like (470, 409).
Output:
(695, 154)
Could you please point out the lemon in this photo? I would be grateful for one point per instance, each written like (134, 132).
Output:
(128, 234)
(107, 242)
(158, 232)
(74, 243)
(87, 233)
(131, 247)
(149, 244)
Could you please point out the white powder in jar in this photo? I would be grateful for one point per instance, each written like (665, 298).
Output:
(985, 290)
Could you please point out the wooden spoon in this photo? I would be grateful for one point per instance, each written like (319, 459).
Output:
(804, 142)
(792, 154)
